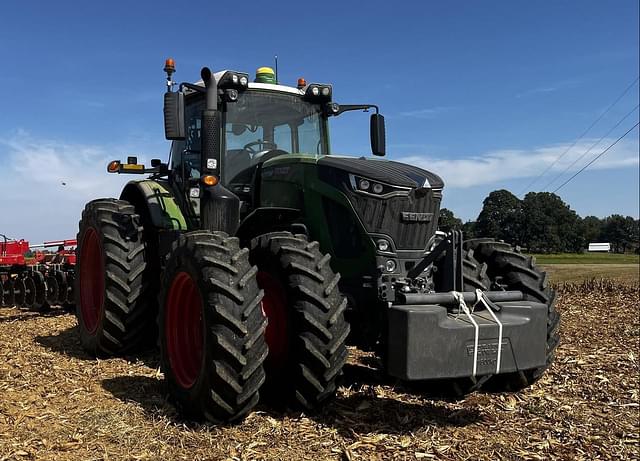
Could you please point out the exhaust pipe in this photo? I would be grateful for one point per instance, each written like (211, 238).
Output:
(219, 207)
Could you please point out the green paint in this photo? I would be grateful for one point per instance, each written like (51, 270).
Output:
(292, 181)
(164, 210)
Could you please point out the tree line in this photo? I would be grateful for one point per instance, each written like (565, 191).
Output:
(543, 223)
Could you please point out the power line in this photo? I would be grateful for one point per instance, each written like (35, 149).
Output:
(580, 137)
(596, 158)
(592, 146)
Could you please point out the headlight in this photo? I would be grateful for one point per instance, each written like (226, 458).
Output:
(390, 265)
(232, 79)
(376, 189)
(317, 92)
(383, 245)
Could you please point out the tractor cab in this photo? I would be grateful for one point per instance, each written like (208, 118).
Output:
(263, 121)
(257, 121)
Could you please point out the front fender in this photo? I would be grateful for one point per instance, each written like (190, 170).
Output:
(262, 220)
(156, 204)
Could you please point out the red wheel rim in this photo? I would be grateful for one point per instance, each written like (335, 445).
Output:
(274, 307)
(183, 329)
(91, 280)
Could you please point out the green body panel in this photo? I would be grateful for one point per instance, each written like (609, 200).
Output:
(292, 181)
(164, 211)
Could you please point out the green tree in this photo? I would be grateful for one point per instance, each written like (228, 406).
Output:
(470, 230)
(448, 221)
(621, 232)
(592, 229)
(549, 225)
(501, 217)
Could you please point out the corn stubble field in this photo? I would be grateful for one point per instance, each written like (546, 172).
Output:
(57, 403)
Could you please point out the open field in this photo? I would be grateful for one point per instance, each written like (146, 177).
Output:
(57, 403)
(587, 258)
(626, 273)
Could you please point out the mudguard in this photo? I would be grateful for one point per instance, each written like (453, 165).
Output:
(156, 202)
(262, 220)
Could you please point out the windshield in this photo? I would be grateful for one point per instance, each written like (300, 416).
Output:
(263, 121)
(259, 123)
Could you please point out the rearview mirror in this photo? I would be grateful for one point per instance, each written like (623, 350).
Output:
(174, 116)
(377, 135)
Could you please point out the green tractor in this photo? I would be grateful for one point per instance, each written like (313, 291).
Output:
(255, 256)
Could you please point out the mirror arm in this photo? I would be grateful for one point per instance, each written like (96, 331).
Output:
(191, 86)
(350, 107)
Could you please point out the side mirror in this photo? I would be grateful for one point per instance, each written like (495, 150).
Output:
(377, 135)
(174, 116)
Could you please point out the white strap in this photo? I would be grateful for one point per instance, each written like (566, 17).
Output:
(481, 297)
(462, 305)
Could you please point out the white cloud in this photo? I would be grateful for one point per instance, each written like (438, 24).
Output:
(427, 113)
(503, 165)
(46, 183)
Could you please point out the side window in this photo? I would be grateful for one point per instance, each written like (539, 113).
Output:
(308, 139)
(185, 155)
(282, 137)
(193, 120)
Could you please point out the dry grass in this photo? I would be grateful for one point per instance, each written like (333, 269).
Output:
(625, 273)
(57, 403)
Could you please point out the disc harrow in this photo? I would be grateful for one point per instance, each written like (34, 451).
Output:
(37, 277)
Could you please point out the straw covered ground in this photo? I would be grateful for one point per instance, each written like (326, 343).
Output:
(57, 403)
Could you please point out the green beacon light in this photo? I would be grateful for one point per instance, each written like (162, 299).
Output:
(265, 75)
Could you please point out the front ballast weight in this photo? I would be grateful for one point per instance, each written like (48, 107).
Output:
(463, 333)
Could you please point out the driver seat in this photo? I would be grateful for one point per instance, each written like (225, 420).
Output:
(236, 161)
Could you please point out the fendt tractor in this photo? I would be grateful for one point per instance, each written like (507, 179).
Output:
(262, 255)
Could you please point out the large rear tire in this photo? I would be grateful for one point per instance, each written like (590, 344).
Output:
(111, 291)
(510, 270)
(307, 330)
(211, 328)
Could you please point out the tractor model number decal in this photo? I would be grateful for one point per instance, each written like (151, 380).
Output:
(410, 216)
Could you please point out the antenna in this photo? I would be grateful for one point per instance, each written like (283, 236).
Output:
(276, 58)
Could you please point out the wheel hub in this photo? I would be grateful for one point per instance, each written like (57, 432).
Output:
(183, 329)
(274, 307)
(91, 280)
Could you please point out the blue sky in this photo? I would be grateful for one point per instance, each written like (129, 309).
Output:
(487, 94)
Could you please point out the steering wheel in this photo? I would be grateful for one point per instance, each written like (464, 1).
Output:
(264, 145)
(268, 154)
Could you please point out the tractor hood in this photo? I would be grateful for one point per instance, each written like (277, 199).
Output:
(387, 171)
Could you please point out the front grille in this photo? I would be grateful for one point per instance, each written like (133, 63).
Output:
(384, 216)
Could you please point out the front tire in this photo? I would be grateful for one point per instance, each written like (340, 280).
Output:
(111, 293)
(510, 270)
(211, 328)
(307, 330)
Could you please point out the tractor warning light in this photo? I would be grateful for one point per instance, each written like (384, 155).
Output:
(301, 83)
(169, 65)
(210, 180)
(114, 166)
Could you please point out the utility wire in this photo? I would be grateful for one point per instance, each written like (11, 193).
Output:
(580, 137)
(596, 158)
(592, 146)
